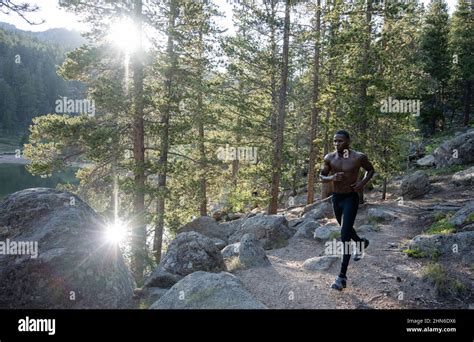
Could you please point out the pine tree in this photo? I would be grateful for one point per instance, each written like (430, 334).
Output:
(437, 61)
(461, 40)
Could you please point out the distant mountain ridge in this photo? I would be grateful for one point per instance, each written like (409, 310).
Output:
(70, 39)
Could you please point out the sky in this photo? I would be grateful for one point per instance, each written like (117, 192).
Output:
(55, 17)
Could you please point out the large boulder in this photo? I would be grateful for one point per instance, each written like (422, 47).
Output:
(378, 214)
(251, 252)
(231, 251)
(426, 161)
(271, 230)
(465, 177)
(326, 232)
(162, 278)
(203, 290)
(220, 244)
(463, 215)
(207, 226)
(231, 227)
(322, 210)
(458, 150)
(294, 223)
(320, 263)
(415, 185)
(73, 265)
(306, 229)
(456, 244)
(316, 204)
(188, 252)
(147, 296)
(365, 228)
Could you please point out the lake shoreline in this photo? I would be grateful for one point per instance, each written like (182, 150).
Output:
(13, 159)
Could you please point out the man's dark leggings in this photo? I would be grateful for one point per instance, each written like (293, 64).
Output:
(345, 206)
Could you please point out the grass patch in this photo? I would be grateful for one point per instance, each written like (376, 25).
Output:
(442, 226)
(444, 284)
(470, 218)
(439, 215)
(375, 223)
(438, 139)
(415, 253)
(233, 264)
(446, 170)
(376, 227)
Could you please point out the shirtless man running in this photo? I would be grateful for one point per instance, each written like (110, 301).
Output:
(344, 164)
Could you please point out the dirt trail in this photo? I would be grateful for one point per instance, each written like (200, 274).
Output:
(385, 278)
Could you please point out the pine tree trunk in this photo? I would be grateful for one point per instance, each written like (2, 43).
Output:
(467, 102)
(314, 109)
(384, 189)
(278, 151)
(202, 148)
(326, 189)
(202, 162)
(164, 146)
(139, 229)
(273, 76)
(365, 71)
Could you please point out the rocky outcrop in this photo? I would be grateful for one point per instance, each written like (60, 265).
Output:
(188, 252)
(207, 226)
(231, 251)
(251, 252)
(458, 150)
(271, 230)
(465, 177)
(457, 244)
(415, 185)
(74, 266)
(426, 161)
(306, 229)
(464, 215)
(326, 232)
(320, 211)
(321, 263)
(378, 214)
(203, 290)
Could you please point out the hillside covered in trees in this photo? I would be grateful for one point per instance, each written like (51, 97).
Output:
(29, 83)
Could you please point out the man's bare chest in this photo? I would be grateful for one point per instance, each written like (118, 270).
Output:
(348, 165)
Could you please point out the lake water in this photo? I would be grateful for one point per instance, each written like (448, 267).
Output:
(14, 177)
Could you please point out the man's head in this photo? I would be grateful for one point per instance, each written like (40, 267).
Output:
(341, 140)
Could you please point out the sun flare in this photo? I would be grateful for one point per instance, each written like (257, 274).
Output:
(124, 34)
(115, 232)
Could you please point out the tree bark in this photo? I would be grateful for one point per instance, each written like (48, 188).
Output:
(467, 102)
(313, 152)
(202, 147)
(278, 151)
(164, 146)
(273, 76)
(384, 189)
(139, 229)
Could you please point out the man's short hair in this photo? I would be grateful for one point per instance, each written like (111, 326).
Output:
(344, 133)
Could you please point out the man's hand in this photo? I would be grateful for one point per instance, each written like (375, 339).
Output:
(358, 186)
(338, 176)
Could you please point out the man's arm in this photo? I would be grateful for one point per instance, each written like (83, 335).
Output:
(369, 168)
(324, 175)
(337, 177)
